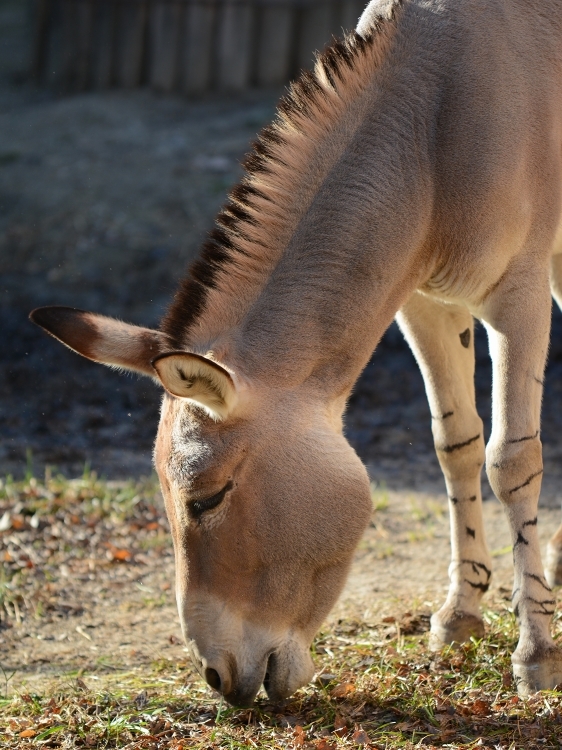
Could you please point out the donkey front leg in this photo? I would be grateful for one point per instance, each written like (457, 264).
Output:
(517, 316)
(441, 338)
(553, 563)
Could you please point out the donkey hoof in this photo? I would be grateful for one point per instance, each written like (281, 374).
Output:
(553, 565)
(454, 627)
(545, 674)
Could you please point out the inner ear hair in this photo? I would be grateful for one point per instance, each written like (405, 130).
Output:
(199, 379)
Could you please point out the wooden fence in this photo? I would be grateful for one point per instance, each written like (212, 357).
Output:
(187, 46)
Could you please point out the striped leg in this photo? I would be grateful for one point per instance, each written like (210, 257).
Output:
(441, 338)
(517, 316)
(553, 563)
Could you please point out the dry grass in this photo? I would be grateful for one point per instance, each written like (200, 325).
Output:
(378, 685)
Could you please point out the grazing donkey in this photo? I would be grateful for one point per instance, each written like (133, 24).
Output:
(417, 172)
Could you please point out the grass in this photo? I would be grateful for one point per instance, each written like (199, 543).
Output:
(375, 690)
(378, 685)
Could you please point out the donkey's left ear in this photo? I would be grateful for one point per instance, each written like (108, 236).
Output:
(102, 339)
(199, 379)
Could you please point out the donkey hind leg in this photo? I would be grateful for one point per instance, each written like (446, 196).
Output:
(517, 317)
(441, 338)
(553, 564)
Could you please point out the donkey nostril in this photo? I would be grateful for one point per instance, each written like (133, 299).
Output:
(213, 679)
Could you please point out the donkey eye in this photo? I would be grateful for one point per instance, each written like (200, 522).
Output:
(198, 507)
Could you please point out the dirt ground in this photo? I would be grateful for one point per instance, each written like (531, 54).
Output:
(115, 613)
(104, 199)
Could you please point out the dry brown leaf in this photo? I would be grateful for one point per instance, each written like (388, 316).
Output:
(340, 725)
(323, 744)
(479, 708)
(343, 689)
(28, 733)
(360, 737)
(121, 554)
(298, 736)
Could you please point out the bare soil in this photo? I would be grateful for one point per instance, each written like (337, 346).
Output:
(104, 200)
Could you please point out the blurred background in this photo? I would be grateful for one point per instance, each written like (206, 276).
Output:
(122, 125)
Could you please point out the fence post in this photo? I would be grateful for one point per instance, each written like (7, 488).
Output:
(234, 44)
(130, 42)
(316, 28)
(199, 41)
(275, 32)
(104, 41)
(164, 36)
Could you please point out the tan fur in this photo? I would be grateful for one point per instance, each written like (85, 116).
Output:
(417, 173)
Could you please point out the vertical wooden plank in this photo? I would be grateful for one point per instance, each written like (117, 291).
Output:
(81, 71)
(103, 44)
(275, 31)
(132, 18)
(53, 46)
(316, 27)
(199, 41)
(164, 34)
(41, 27)
(234, 47)
(64, 72)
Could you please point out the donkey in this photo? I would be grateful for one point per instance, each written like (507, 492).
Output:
(416, 173)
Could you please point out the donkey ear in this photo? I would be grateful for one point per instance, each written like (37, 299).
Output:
(102, 339)
(200, 379)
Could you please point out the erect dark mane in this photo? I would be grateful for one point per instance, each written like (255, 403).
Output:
(235, 237)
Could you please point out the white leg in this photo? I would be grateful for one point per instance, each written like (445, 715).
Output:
(517, 316)
(441, 338)
(553, 562)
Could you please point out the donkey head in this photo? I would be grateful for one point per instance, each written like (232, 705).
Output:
(265, 498)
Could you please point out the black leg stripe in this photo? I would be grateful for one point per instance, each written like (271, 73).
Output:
(458, 446)
(538, 579)
(526, 482)
(528, 437)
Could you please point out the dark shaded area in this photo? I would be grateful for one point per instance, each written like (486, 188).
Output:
(104, 199)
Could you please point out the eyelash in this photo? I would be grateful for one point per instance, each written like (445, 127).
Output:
(198, 507)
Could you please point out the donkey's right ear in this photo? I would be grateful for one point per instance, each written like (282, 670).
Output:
(102, 339)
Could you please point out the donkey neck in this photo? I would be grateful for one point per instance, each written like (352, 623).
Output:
(322, 240)
(354, 258)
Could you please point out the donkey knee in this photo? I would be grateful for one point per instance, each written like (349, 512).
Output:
(461, 459)
(514, 468)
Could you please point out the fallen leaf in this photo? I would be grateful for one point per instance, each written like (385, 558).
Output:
(343, 689)
(121, 554)
(340, 725)
(298, 736)
(141, 700)
(480, 708)
(360, 737)
(323, 744)
(28, 733)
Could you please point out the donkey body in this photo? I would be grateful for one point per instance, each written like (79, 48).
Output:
(417, 173)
